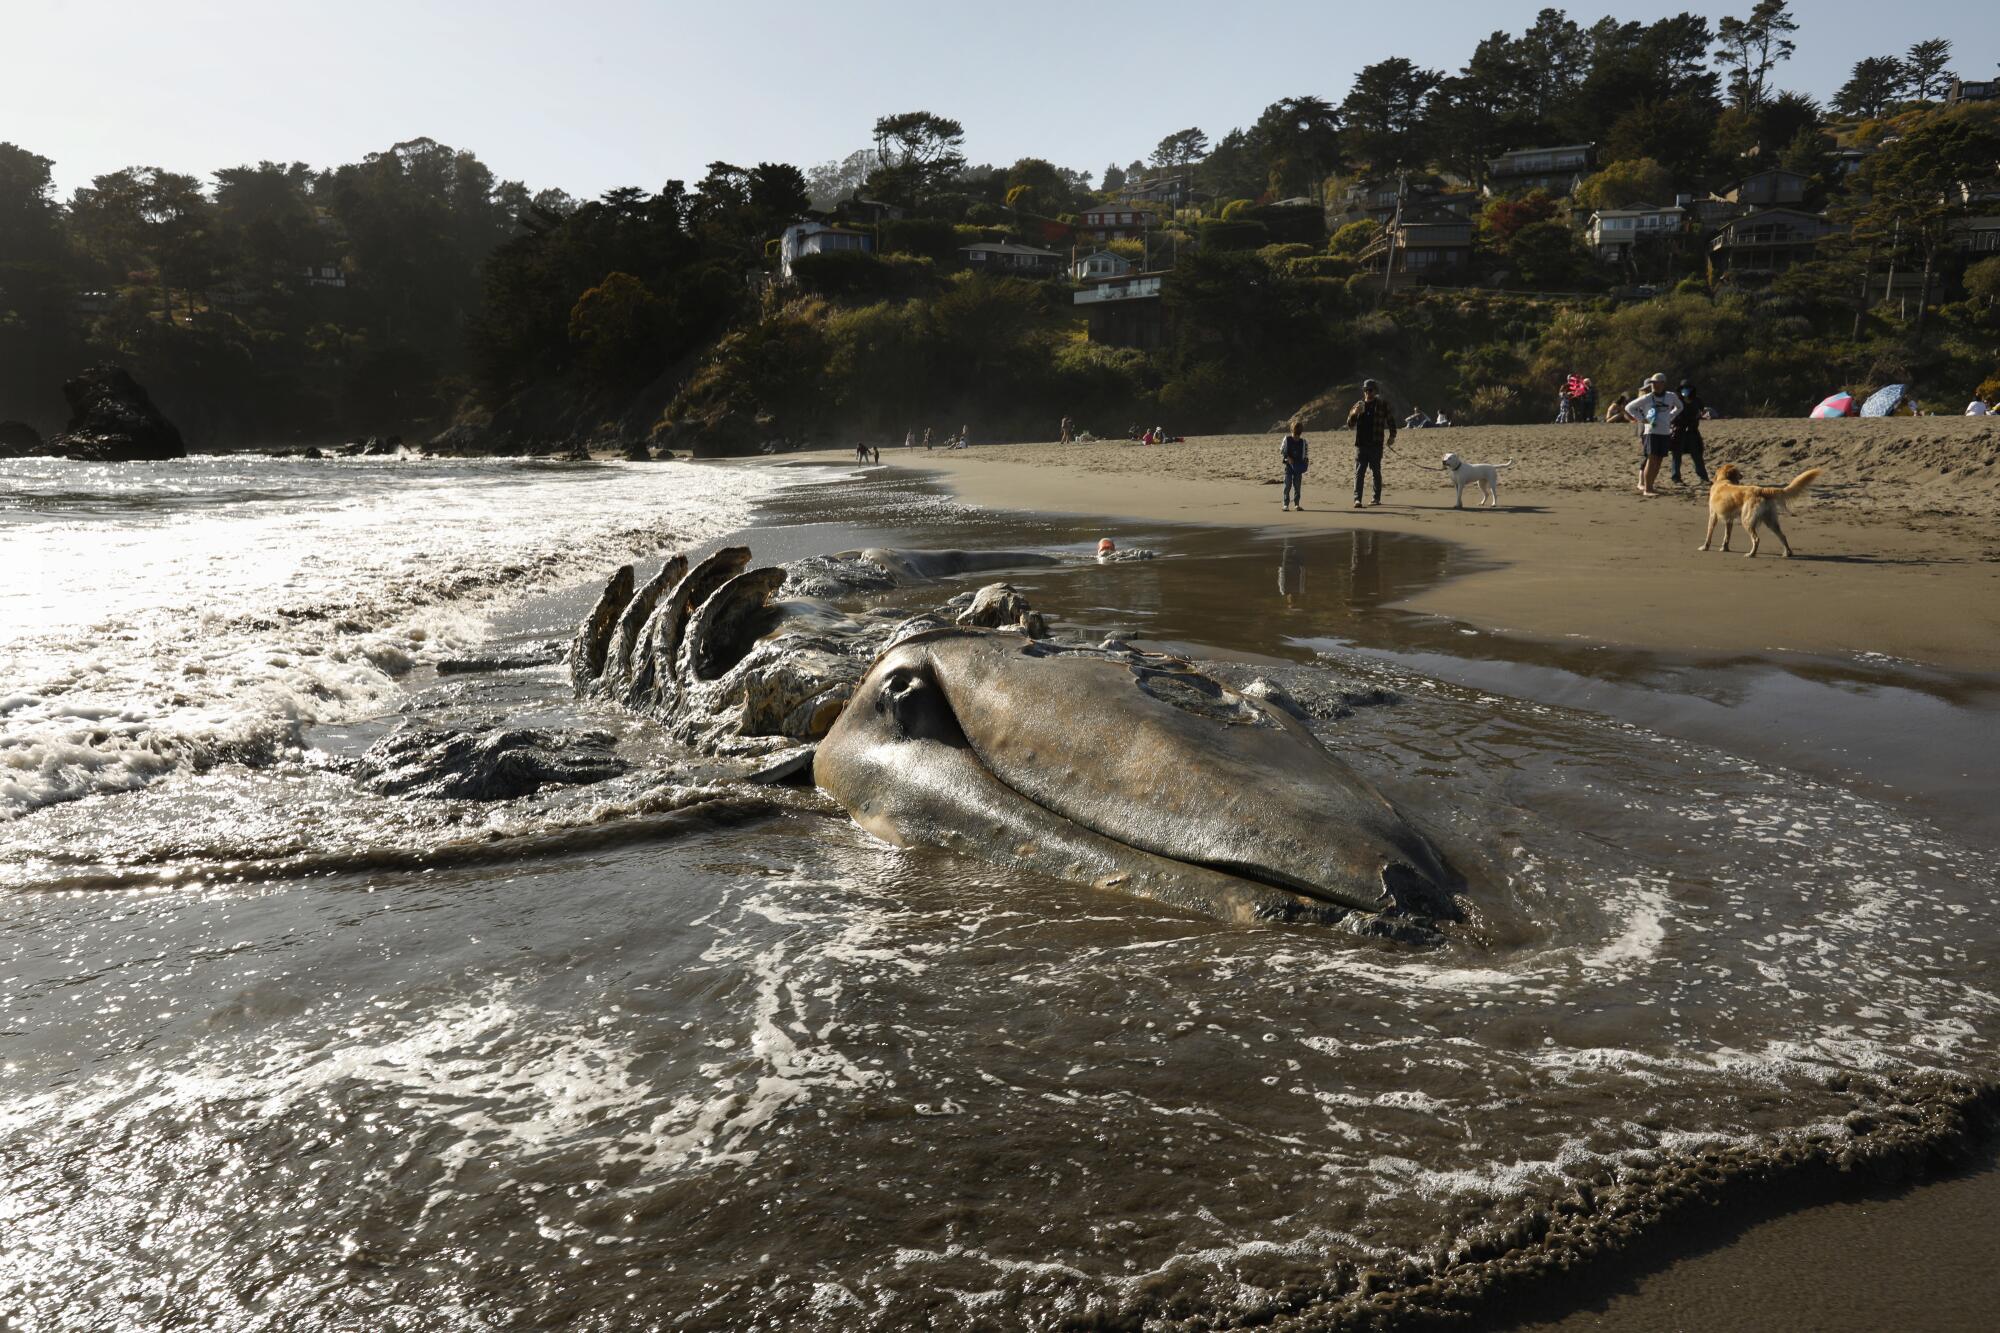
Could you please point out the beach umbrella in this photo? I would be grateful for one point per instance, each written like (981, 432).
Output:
(1884, 402)
(1840, 405)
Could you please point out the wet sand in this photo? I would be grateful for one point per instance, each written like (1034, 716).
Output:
(1898, 548)
(1578, 567)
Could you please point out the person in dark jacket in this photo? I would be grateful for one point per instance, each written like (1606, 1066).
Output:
(1292, 453)
(1374, 427)
(1687, 433)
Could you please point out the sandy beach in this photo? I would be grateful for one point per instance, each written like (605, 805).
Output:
(1898, 546)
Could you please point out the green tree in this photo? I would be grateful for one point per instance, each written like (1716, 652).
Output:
(1781, 119)
(1928, 67)
(1180, 149)
(1038, 186)
(1753, 47)
(1299, 141)
(1625, 184)
(617, 323)
(1384, 113)
(1875, 83)
(1908, 193)
(918, 152)
(37, 333)
(1113, 179)
(1983, 280)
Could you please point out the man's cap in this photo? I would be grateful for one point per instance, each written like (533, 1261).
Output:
(1657, 378)
(1370, 384)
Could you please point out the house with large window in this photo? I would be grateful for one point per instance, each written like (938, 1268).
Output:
(1020, 261)
(1125, 311)
(1112, 222)
(1613, 232)
(1557, 170)
(817, 238)
(1436, 247)
(1099, 266)
(1764, 243)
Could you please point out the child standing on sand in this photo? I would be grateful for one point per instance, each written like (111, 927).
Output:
(1292, 453)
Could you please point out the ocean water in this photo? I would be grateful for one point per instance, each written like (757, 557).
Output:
(278, 1054)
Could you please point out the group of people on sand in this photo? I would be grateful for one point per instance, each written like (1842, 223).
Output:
(958, 441)
(1373, 424)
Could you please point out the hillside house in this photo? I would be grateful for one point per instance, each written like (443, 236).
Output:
(1165, 191)
(1436, 247)
(1100, 266)
(1768, 189)
(1005, 257)
(818, 238)
(1113, 222)
(1972, 90)
(325, 274)
(1612, 232)
(1126, 311)
(1557, 170)
(1764, 243)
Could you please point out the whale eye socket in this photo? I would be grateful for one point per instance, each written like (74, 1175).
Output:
(910, 695)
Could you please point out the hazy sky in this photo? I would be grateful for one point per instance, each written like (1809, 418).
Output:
(588, 95)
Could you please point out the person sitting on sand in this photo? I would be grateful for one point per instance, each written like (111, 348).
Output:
(1615, 414)
(1416, 420)
(1978, 408)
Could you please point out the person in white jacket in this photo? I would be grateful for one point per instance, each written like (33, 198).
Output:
(1654, 411)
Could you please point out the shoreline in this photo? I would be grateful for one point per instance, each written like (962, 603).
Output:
(1893, 567)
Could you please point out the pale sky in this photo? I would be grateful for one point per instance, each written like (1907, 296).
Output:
(589, 95)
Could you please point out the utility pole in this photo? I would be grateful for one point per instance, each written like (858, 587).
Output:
(1395, 230)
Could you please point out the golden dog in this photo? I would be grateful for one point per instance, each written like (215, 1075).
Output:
(1732, 502)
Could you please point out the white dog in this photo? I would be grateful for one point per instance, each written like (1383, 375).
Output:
(1484, 475)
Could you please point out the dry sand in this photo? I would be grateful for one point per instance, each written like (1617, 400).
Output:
(1899, 544)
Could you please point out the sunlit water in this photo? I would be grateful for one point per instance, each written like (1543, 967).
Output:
(278, 1054)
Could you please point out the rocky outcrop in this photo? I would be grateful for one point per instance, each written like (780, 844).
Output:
(20, 440)
(113, 420)
(483, 763)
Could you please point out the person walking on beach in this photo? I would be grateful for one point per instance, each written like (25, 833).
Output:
(1687, 433)
(1374, 427)
(927, 438)
(1653, 412)
(1292, 453)
(1065, 430)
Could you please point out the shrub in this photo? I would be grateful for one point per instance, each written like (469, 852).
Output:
(1220, 234)
(1352, 239)
(1234, 209)
(1983, 279)
(1303, 225)
(857, 277)
(1278, 254)
(931, 238)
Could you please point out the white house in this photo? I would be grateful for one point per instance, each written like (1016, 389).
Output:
(817, 238)
(1100, 266)
(1612, 232)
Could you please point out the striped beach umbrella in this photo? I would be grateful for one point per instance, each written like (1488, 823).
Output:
(1839, 405)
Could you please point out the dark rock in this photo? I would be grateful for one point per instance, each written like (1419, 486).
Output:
(113, 420)
(467, 666)
(483, 763)
(20, 440)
